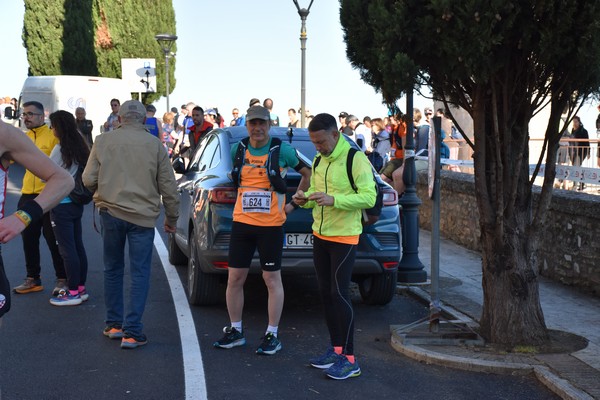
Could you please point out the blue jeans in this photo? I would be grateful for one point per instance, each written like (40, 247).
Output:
(66, 222)
(115, 232)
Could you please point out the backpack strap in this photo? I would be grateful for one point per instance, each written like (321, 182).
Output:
(318, 160)
(238, 161)
(272, 165)
(349, 162)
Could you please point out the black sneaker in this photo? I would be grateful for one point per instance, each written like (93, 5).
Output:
(270, 345)
(232, 338)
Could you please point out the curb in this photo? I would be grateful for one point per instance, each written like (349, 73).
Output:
(559, 385)
(543, 374)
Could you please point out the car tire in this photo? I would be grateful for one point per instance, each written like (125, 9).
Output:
(203, 288)
(176, 256)
(378, 289)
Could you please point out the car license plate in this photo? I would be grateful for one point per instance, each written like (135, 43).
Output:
(298, 240)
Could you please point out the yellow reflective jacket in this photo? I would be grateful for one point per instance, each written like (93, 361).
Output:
(331, 177)
(44, 140)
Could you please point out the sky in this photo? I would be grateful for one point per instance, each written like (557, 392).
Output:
(229, 51)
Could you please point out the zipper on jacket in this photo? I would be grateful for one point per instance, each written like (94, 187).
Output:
(323, 207)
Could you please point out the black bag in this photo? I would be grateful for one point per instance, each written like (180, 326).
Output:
(80, 194)
(370, 215)
(376, 160)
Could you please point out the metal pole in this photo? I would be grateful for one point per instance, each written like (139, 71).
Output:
(303, 73)
(166, 40)
(410, 269)
(434, 306)
(167, 78)
(303, 12)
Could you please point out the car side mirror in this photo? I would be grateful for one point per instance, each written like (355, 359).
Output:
(178, 164)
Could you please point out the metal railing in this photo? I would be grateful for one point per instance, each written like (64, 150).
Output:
(577, 164)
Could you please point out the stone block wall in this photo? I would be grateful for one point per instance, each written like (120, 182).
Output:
(570, 250)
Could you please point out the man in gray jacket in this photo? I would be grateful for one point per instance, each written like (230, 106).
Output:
(129, 170)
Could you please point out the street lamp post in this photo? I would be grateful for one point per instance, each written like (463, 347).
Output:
(410, 269)
(303, 12)
(166, 40)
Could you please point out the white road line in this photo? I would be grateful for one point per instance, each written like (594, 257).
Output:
(193, 369)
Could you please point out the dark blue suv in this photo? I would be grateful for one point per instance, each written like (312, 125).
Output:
(205, 217)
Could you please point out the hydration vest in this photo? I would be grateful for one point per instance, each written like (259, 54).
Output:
(272, 166)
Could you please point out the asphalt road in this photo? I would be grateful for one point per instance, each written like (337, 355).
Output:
(49, 352)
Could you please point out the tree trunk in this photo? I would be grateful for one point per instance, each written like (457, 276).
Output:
(512, 313)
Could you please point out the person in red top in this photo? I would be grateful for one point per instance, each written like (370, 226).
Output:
(393, 169)
(200, 127)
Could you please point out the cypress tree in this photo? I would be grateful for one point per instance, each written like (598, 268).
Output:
(89, 37)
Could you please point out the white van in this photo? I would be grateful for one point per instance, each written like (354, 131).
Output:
(67, 92)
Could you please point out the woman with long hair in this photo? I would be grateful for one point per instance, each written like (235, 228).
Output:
(71, 154)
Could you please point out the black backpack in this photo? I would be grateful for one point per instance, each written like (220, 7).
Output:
(80, 194)
(272, 165)
(370, 215)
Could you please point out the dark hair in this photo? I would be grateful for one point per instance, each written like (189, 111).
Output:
(322, 122)
(117, 100)
(198, 108)
(72, 145)
(35, 104)
(268, 104)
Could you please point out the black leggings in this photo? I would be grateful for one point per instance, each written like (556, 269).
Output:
(4, 290)
(31, 244)
(333, 264)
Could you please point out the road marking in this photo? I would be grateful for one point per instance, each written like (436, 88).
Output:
(193, 369)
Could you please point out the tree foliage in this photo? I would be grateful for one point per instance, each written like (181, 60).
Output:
(502, 61)
(90, 37)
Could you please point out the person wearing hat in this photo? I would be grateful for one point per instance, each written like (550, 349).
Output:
(212, 117)
(131, 174)
(258, 217)
(344, 128)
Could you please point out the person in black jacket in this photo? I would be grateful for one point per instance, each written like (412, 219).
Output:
(85, 126)
(580, 149)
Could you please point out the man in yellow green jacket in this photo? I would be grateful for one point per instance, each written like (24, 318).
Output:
(44, 139)
(337, 213)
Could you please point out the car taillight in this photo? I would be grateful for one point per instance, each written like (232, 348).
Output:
(221, 264)
(223, 195)
(390, 197)
(390, 265)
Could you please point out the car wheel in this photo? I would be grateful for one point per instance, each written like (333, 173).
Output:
(176, 256)
(378, 289)
(203, 288)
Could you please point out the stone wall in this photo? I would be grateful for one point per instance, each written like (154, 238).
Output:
(570, 251)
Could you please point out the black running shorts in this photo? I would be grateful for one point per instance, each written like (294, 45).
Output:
(246, 239)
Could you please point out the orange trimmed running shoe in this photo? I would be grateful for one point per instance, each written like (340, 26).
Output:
(129, 342)
(113, 332)
(29, 286)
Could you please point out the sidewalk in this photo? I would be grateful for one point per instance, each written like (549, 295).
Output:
(571, 376)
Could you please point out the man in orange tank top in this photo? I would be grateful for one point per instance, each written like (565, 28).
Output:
(258, 218)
